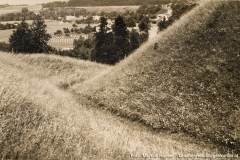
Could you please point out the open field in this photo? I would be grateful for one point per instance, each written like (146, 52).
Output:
(53, 124)
(14, 9)
(52, 26)
(107, 9)
(5, 35)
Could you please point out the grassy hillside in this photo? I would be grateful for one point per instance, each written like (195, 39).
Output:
(61, 71)
(190, 84)
(40, 120)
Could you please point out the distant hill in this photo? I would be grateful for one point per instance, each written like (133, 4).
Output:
(191, 83)
(80, 3)
(114, 2)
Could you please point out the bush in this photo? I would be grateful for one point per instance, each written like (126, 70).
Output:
(5, 47)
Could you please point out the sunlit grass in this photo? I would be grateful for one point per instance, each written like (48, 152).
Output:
(189, 84)
(41, 120)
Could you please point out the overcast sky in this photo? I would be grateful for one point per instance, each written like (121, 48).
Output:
(30, 2)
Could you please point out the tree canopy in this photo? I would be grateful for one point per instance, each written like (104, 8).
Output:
(30, 39)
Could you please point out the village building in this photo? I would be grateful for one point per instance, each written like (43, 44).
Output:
(70, 18)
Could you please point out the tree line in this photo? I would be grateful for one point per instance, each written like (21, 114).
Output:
(178, 9)
(30, 38)
(107, 45)
(8, 26)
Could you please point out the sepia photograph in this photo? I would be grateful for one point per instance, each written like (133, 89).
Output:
(119, 79)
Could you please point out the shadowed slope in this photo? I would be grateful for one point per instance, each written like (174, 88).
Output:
(189, 84)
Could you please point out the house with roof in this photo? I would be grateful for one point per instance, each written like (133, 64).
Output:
(71, 18)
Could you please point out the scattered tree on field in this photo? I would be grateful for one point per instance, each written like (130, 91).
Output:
(74, 25)
(58, 32)
(162, 24)
(24, 11)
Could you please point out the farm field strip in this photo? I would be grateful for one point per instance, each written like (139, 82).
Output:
(99, 9)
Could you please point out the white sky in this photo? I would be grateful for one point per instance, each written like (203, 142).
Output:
(30, 2)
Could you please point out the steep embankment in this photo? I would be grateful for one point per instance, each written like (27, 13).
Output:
(39, 120)
(189, 84)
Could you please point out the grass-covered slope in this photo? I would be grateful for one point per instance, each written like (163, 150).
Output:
(191, 83)
(39, 120)
(61, 71)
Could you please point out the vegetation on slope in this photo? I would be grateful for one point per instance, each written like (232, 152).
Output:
(61, 71)
(189, 84)
(41, 121)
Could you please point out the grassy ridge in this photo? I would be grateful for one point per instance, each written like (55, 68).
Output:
(61, 71)
(189, 84)
(41, 121)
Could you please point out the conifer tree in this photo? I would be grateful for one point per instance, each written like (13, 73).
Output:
(134, 36)
(121, 43)
(104, 43)
(20, 40)
(40, 37)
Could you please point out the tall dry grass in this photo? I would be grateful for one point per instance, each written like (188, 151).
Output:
(41, 121)
(189, 84)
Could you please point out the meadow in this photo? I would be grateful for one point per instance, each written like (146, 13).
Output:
(5, 35)
(15, 9)
(181, 98)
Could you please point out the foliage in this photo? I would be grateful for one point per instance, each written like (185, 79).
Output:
(113, 2)
(87, 20)
(163, 24)
(149, 9)
(5, 47)
(130, 22)
(17, 16)
(58, 32)
(30, 39)
(134, 39)
(143, 26)
(7, 26)
(189, 84)
(178, 9)
(104, 44)
(121, 42)
(54, 13)
(20, 40)
(54, 4)
(24, 11)
(74, 25)
(39, 36)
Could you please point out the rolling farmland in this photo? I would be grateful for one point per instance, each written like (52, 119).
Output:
(14, 9)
